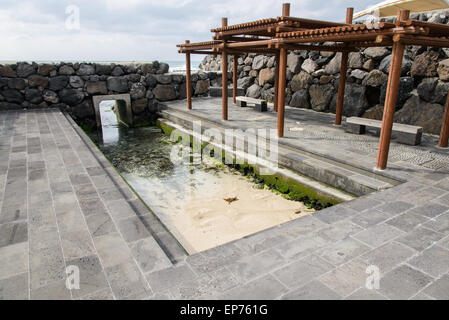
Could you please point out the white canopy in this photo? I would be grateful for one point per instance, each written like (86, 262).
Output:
(391, 7)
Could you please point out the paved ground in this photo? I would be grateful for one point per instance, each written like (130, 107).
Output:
(62, 204)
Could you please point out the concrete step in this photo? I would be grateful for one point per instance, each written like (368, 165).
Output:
(217, 91)
(333, 173)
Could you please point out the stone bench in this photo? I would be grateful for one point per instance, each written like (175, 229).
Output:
(260, 105)
(405, 133)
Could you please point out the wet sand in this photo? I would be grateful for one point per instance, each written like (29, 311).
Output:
(200, 218)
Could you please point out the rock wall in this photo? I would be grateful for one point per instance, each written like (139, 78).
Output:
(70, 86)
(312, 80)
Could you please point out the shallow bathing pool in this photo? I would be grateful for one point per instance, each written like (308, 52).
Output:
(189, 198)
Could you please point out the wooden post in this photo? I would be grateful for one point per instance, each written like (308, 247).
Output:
(234, 80)
(286, 9)
(391, 98)
(343, 70)
(276, 83)
(224, 75)
(444, 135)
(281, 90)
(188, 80)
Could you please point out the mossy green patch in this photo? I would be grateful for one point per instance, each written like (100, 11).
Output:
(287, 187)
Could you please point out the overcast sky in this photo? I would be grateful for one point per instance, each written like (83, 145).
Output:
(133, 30)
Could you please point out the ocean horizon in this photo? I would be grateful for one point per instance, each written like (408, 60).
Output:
(175, 65)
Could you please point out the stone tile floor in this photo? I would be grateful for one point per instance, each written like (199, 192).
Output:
(62, 204)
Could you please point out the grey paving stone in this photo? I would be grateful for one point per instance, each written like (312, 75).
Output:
(14, 259)
(43, 237)
(302, 271)
(342, 251)
(444, 243)
(79, 178)
(420, 238)
(314, 290)
(365, 294)
(85, 191)
(46, 266)
(100, 224)
(70, 219)
(421, 297)
(334, 214)
(165, 279)
(302, 226)
(205, 287)
(378, 235)
(15, 287)
(133, 229)
(33, 165)
(120, 209)
(11, 233)
(95, 171)
(263, 240)
(439, 224)
(388, 256)
(249, 267)
(430, 210)
(112, 250)
(13, 213)
(264, 288)
(339, 230)
(102, 181)
(92, 277)
(407, 221)
(149, 255)
(362, 204)
(394, 208)
(110, 194)
(347, 278)
(369, 218)
(403, 282)
(443, 184)
(92, 206)
(433, 261)
(439, 288)
(76, 244)
(54, 291)
(103, 294)
(215, 258)
(301, 246)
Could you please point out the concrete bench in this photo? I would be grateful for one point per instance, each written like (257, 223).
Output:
(404, 133)
(260, 105)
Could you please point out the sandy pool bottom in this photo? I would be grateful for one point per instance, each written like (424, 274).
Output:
(196, 213)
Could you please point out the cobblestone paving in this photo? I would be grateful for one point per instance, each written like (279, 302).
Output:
(62, 204)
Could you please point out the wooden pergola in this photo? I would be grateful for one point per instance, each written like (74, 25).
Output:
(285, 33)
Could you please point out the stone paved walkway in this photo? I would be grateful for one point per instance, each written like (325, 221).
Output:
(63, 204)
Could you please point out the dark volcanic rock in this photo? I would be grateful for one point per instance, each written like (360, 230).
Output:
(320, 96)
(164, 92)
(34, 96)
(71, 97)
(405, 89)
(300, 99)
(117, 84)
(12, 95)
(58, 83)
(421, 113)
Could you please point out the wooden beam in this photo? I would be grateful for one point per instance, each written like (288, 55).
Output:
(276, 83)
(281, 90)
(234, 80)
(343, 71)
(188, 80)
(224, 75)
(286, 9)
(444, 135)
(391, 98)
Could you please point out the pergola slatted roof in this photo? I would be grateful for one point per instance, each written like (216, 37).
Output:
(280, 34)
